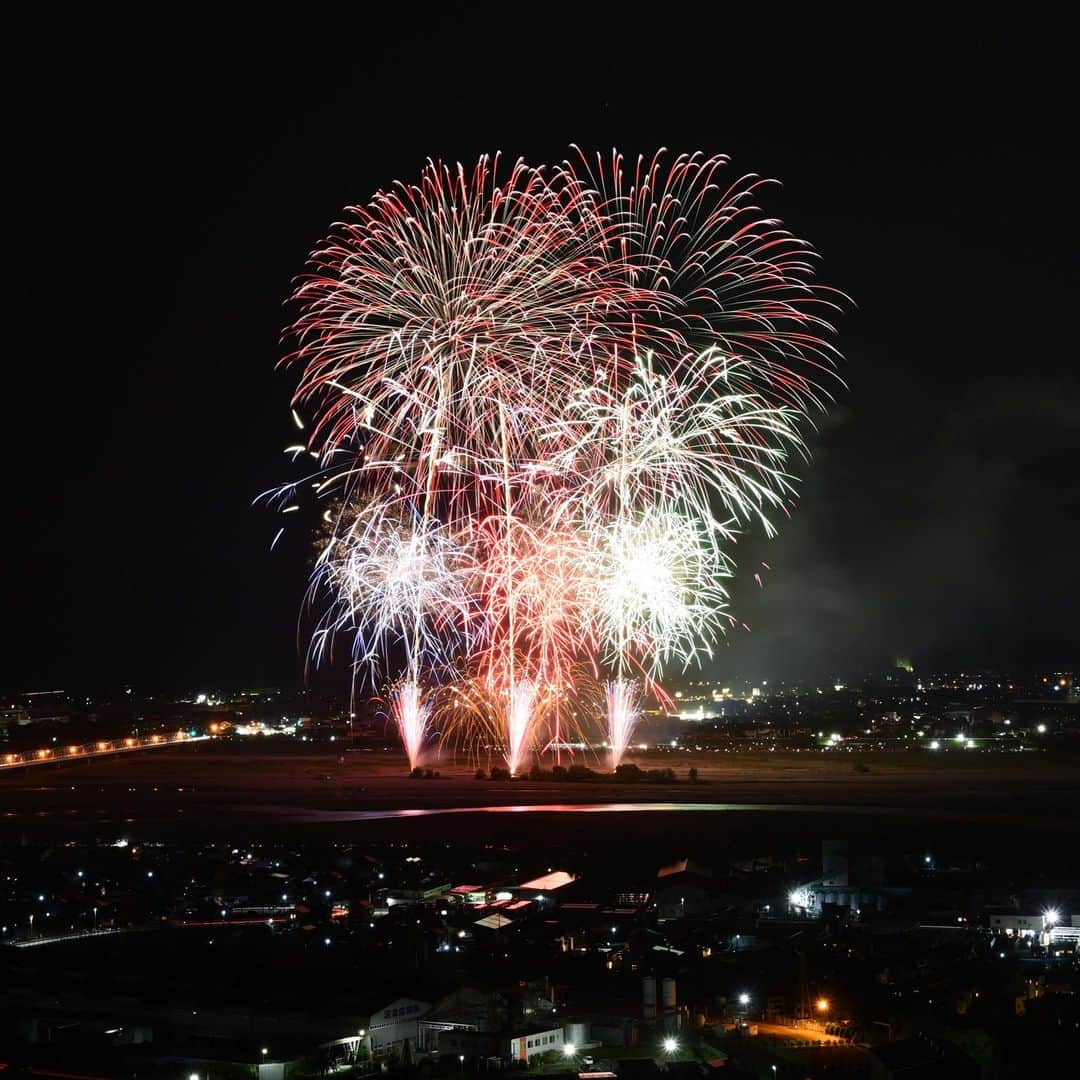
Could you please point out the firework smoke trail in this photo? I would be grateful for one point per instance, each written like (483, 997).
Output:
(411, 715)
(623, 712)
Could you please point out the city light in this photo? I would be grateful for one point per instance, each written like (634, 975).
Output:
(1051, 916)
(822, 1004)
(744, 999)
(670, 1045)
(569, 1049)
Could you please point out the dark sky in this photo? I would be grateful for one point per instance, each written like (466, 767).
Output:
(171, 180)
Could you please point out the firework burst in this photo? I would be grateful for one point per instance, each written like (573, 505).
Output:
(543, 407)
(394, 579)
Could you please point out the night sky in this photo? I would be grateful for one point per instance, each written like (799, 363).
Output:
(171, 182)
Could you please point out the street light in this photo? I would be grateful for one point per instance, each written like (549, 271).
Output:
(823, 1005)
(744, 999)
(670, 1045)
(193, 1076)
(1051, 916)
(569, 1049)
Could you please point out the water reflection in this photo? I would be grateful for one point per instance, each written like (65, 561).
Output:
(959, 815)
(562, 808)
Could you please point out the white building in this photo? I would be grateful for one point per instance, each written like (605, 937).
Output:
(395, 1026)
(525, 1047)
(1020, 925)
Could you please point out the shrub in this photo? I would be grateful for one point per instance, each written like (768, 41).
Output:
(692, 773)
(499, 774)
(480, 775)
(579, 772)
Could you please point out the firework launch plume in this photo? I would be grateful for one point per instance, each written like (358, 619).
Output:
(411, 715)
(623, 712)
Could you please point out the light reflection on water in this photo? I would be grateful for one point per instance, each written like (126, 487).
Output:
(562, 808)
(862, 810)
